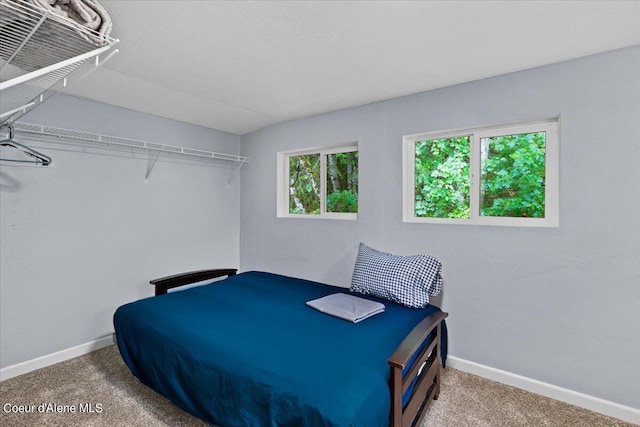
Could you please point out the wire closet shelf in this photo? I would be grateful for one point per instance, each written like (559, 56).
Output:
(41, 53)
(54, 134)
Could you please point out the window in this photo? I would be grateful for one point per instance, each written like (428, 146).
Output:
(494, 176)
(318, 183)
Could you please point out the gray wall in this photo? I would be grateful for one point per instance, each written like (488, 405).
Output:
(556, 305)
(86, 235)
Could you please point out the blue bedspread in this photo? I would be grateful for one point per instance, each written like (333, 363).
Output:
(247, 351)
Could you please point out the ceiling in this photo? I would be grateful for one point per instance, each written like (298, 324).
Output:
(239, 66)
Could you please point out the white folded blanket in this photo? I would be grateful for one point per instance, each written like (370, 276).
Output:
(85, 13)
(347, 307)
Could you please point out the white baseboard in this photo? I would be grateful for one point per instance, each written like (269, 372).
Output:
(582, 400)
(53, 358)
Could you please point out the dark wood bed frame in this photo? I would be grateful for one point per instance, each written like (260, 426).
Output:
(427, 365)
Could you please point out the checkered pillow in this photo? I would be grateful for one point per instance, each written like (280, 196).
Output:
(408, 280)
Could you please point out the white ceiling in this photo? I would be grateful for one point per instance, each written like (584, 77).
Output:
(238, 66)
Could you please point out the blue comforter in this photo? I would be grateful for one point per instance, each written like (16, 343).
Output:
(247, 351)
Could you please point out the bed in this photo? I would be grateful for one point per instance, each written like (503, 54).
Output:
(247, 351)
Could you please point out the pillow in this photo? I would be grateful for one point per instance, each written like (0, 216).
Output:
(407, 280)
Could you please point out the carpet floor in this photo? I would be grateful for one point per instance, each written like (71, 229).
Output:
(103, 392)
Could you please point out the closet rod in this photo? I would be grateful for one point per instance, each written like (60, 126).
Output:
(54, 134)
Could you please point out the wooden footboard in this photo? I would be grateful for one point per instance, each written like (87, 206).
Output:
(425, 369)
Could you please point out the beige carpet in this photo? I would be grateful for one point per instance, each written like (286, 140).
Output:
(117, 398)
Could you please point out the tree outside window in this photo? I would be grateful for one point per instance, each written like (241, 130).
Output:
(513, 172)
(322, 183)
(499, 176)
(442, 178)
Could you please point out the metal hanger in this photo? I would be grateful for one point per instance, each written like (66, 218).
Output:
(40, 159)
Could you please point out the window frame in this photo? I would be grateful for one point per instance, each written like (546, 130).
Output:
(552, 175)
(283, 182)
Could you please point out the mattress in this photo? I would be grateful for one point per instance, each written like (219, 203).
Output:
(248, 351)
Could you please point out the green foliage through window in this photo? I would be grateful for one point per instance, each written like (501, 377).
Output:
(305, 183)
(513, 175)
(342, 182)
(442, 178)
(512, 182)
